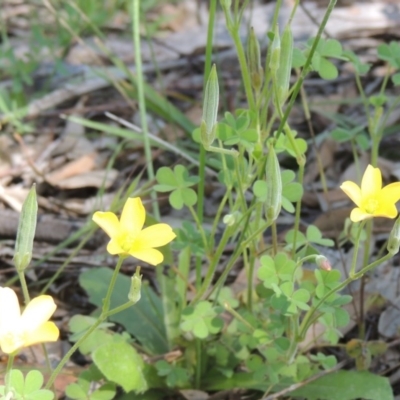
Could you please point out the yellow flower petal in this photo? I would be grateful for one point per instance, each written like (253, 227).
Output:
(9, 310)
(156, 235)
(387, 211)
(150, 256)
(391, 193)
(133, 216)
(357, 215)
(371, 182)
(353, 191)
(37, 312)
(114, 247)
(47, 332)
(107, 221)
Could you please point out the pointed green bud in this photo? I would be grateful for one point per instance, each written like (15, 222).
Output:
(285, 65)
(136, 285)
(275, 51)
(273, 178)
(26, 231)
(254, 60)
(394, 238)
(210, 109)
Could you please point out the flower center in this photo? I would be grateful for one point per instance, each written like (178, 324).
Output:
(371, 205)
(125, 241)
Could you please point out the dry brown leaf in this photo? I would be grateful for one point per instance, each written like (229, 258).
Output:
(96, 179)
(77, 167)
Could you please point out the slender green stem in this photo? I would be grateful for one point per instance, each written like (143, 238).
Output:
(361, 322)
(218, 215)
(236, 315)
(24, 286)
(298, 212)
(200, 228)
(141, 100)
(213, 265)
(107, 300)
(293, 335)
(10, 363)
(274, 232)
(355, 250)
(307, 64)
(199, 352)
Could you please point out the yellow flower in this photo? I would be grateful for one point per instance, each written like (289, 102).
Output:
(127, 235)
(371, 199)
(32, 327)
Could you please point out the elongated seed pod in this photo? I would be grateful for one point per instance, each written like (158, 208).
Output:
(285, 65)
(275, 51)
(254, 60)
(273, 178)
(26, 231)
(210, 108)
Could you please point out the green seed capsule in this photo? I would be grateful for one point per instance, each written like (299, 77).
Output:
(394, 238)
(26, 231)
(275, 51)
(273, 177)
(285, 65)
(254, 59)
(210, 109)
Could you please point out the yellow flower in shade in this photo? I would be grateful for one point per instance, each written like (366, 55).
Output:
(32, 326)
(128, 236)
(371, 199)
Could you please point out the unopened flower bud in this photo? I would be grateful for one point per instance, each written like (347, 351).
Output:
(136, 284)
(323, 263)
(394, 238)
(229, 219)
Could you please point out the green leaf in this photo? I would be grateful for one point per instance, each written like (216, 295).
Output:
(390, 52)
(346, 385)
(76, 392)
(327, 70)
(293, 191)
(224, 131)
(330, 48)
(201, 320)
(166, 176)
(260, 190)
(341, 135)
(299, 59)
(144, 320)
(176, 200)
(120, 363)
(33, 381)
(104, 392)
(189, 197)
(396, 79)
(16, 379)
